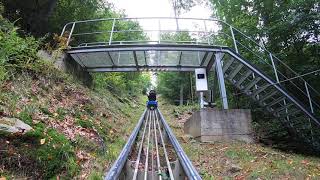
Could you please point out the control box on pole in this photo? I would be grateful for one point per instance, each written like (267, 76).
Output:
(201, 79)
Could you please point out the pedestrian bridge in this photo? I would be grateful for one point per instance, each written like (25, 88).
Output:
(184, 44)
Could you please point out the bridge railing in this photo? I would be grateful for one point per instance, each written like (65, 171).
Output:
(123, 31)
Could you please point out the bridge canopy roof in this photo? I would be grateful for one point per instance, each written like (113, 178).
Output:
(153, 57)
(162, 44)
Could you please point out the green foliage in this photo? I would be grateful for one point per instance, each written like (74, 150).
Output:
(132, 83)
(290, 30)
(169, 85)
(20, 53)
(57, 155)
(14, 51)
(183, 5)
(85, 123)
(181, 36)
(123, 83)
(72, 10)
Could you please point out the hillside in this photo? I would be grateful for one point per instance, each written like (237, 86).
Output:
(52, 126)
(76, 131)
(62, 118)
(238, 160)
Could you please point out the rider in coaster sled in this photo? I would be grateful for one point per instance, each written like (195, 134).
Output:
(152, 100)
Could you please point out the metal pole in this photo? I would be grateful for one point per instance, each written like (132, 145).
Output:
(274, 68)
(135, 174)
(201, 100)
(164, 148)
(234, 40)
(148, 146)
(157, 148)
(111, 33)
(277, 79)
(159, 31)
(309, 97)
(73, 25)
(222, 86)
(177, 22)
(206, 30)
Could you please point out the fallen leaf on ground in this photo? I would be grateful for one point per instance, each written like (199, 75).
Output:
(42, 141)
(305, 162)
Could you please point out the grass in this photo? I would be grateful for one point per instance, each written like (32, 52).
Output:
(84, 130)
(77, 132)
(118, 142)
(255, 161)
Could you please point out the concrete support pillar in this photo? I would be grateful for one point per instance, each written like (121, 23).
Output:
(220, 76)
(65, 63)
(72, 67)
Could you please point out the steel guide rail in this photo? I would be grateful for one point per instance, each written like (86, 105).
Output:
(188, 168)
(115, 170)
(149, 126)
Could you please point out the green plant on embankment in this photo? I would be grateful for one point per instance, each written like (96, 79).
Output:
(77, 132)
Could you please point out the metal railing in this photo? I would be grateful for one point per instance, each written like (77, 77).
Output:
(151, 119)
(122, 31)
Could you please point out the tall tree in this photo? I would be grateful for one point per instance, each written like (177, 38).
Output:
(32, 15)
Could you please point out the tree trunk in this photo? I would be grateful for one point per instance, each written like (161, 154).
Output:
(34, 14)
(191, 90)
(181, 95)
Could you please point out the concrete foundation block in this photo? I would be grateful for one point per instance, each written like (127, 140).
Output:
(210, 125)
(64, 62)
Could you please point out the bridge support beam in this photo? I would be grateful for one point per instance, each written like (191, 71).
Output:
(220, 76)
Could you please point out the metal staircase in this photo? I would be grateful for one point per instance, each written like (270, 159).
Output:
(245, 63)
(272, 96)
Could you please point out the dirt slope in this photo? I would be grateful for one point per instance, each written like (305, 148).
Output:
(239, 160)
(77, 132)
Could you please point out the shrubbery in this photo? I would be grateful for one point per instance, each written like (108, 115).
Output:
(19, 53)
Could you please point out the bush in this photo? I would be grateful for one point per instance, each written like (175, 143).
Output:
(19, 53)
(56, 155)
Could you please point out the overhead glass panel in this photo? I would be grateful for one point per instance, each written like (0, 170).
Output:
(153, 58)
(96, 59)
(77, 59)
(169, 58)
(142, 57)
(115, 57)
(192, 58)
(208, 58)
(123, 58)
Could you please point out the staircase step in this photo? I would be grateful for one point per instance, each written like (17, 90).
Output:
(276, 101)
(259, 90)
(283, 108)
(252, 83)
(243, 78)
(235, 71)
(291, 113)
(267, 96)
(227, 65)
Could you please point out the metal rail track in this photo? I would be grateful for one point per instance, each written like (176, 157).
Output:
(152, 152)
